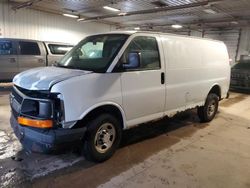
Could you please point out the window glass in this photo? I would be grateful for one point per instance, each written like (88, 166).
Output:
(243, 66)
(29, 48)
(59, 49)
(245, 59)
(148, 49)
(6, 48)
(91, 50)
(94, 53)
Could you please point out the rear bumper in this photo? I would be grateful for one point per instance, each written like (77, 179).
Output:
(46, 140)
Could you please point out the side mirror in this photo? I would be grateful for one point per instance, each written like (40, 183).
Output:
(133, 61)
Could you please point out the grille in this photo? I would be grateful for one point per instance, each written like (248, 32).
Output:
(15, 113)
(240, 83)
(239, 76)
(17, 97)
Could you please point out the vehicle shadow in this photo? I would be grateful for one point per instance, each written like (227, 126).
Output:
(160, 127)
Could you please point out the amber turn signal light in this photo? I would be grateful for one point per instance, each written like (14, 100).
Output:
(35, 123)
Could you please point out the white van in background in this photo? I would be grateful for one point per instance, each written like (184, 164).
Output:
(17, 55)
(114, 81)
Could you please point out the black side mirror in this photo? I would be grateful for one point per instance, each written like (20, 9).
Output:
(133, 60)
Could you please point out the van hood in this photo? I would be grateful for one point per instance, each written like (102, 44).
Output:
(44, 78)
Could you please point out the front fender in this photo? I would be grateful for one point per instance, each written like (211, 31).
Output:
(86, 112)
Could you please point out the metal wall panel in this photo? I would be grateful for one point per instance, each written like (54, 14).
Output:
(230, 38)
(32, 24)
(244, 48)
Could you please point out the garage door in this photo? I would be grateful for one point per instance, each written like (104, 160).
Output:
(230, 38)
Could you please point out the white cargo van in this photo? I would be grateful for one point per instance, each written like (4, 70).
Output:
(114, 81)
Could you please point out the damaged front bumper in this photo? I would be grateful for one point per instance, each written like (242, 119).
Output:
(46, 140)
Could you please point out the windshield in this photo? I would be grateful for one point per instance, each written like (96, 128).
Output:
(94, 53)
(245, 66)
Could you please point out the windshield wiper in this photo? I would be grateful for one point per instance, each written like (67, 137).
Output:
(73, 67)
(67, 67)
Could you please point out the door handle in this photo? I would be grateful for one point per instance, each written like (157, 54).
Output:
(162, 78)
(12, 60)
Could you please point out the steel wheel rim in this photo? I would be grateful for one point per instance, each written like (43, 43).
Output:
(105, 137)
(211, 108)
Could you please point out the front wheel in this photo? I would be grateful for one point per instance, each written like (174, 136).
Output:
(207, 112)
(102, 138)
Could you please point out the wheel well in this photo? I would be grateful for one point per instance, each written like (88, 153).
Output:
(110, 109)
(216, 90)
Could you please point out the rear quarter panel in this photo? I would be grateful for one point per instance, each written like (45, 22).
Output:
(193, 67)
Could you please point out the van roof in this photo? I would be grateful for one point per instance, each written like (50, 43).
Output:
(128, 32)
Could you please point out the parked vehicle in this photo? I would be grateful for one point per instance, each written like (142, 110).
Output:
(240, 76)
(17, 55)
(114, 81)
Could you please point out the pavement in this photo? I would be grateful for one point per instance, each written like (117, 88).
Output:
(173, 152)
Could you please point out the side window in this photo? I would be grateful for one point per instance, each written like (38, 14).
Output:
(29, 48)
(59, 49)
(148, 49)
(6, 48)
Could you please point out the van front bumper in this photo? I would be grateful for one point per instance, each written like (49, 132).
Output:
(46, 140)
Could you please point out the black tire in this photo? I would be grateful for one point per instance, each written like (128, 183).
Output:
(95, 150)
(207, 112)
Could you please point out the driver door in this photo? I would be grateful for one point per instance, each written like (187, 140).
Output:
(143, 88)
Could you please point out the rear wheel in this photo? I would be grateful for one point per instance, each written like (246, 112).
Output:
(207, 112)
(102, 138)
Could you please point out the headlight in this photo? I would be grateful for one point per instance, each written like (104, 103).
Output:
(37, 108)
